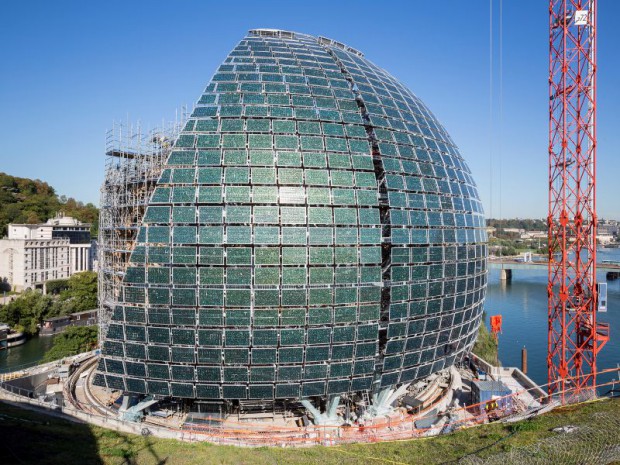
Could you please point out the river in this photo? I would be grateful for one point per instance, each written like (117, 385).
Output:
(27, 354)
(523, 306)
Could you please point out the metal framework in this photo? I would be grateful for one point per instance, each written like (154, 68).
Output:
(314, 234)
(134, 162)
(574, 337)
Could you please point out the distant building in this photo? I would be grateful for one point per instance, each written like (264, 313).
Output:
(35, 253)
(93, 260)
(58, 324)
(607, 227)
(604, 239)
(534, 235)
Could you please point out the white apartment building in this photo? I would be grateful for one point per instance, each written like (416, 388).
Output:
(35, 253)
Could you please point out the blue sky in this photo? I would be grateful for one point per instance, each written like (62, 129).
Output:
(70, 68)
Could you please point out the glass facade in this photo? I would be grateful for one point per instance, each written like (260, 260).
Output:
(314, 231)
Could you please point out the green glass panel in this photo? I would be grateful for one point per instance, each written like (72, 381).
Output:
(315, 160)
(238, 298)
(321, 235)
(266, 317)
(293, 215)
(238, 256)
(290, 176)
(239, 235)
(289, 159)
(321, 256)
(237, 317)
(263, 214)
(318, 177)
(265, 337)
(266, 298)
(318, 195)
(210, 194)
(266, 235)
(236, 337)
(293, 255)
(293, 275)
(294, 235)
(319, 315)
(265, 194)
(238, 275)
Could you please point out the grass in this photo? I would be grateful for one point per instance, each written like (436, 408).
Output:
(32, 437)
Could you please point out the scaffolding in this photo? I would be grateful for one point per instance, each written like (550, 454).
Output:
(135, 158)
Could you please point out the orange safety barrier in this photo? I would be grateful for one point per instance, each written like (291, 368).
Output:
(384, 429)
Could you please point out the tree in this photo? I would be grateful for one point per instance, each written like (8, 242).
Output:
(29, 310)
(55, 286)
(485, 346)
(32, 201)
(32, 218)
(74, 340)
(81, 293)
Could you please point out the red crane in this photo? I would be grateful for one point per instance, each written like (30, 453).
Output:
(575, 338)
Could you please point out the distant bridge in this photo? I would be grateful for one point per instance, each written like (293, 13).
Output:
(537, 265)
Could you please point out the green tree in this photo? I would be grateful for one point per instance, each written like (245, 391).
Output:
(74, 340)
(81, 293)
(32, 201)
(55, 286)
(29, 310)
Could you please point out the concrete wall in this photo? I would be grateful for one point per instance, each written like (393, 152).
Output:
(27, 263)
(29, 231)
(70, 413)
(79, 258)
(12, 262)
(34, 383)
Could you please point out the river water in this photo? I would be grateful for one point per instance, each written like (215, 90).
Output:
(522, 303)
(29, 353)
(523, 306)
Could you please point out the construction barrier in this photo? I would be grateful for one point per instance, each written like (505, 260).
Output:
(399, 426)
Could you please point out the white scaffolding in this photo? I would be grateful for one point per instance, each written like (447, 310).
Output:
(135, 158)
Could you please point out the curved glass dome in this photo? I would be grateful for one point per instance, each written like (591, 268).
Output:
(315, 231)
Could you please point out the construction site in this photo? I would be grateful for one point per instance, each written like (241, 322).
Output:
(301, 260)
(134, 162)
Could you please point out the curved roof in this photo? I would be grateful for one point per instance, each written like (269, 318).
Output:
(315, 231)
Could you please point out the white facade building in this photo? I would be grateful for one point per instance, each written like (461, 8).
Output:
(604, 239)
(35, 253)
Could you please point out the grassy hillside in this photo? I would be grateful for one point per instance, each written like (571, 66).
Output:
(30, 437)
(33, 201)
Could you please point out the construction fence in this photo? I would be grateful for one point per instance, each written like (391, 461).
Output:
(602, 442)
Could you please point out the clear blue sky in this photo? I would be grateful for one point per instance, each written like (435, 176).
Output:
(68, 69)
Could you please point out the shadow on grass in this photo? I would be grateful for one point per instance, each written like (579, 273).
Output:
(30, 437)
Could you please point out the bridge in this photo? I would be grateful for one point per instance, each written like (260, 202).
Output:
(513, 263)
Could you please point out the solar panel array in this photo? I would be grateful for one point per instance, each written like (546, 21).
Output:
(314, 231)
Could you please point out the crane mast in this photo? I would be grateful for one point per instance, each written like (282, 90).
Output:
(574, 337)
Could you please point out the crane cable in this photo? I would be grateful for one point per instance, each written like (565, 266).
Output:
(496, 141)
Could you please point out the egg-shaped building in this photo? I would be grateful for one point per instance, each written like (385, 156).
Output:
(314, 231)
